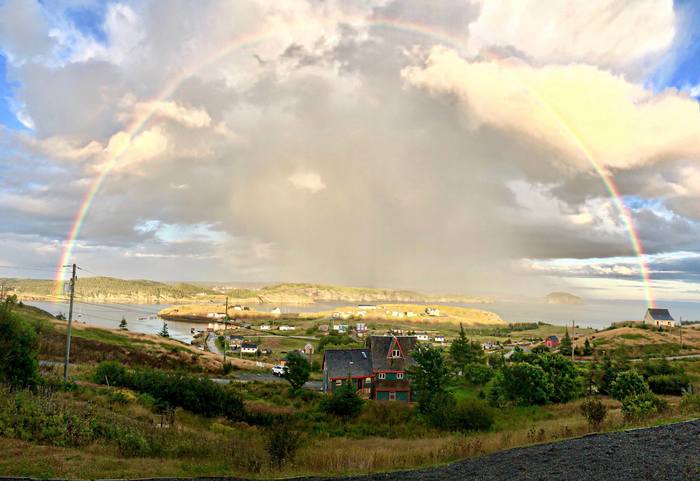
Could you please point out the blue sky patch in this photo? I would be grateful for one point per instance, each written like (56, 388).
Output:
(7, 88)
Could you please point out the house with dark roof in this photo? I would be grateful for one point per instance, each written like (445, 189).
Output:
(380, 372)
(551, 341)
(659, 318)
(348, 365)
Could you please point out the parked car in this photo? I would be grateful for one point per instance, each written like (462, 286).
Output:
(279, 370)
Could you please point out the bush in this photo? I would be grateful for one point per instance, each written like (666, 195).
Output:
(674, 384)
(641, 406)
(690, 403)
(196, 394)
(19, 348)
(281, 443)
(562, 375)
(628, 384)
(470, 415)
(344, 402)
(521, 384)
(594, 411)
(477, 373)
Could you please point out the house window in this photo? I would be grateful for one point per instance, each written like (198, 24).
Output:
(382, 375)
(399, 375)
(396, 353)
(339, 382)
(392, 396)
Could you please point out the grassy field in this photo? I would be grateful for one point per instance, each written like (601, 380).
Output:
(225, 448)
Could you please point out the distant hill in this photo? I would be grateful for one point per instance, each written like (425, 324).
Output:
(563, 298)
(110, 289)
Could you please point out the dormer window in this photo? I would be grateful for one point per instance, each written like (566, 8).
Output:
(396, 353)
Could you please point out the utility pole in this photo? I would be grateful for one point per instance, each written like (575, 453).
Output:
(70, 322)
(573, 343)
(225, 329)
(680, 331)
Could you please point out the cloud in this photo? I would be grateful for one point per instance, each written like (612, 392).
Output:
(309, 181)
(127, 153)
(607, 33)
(582, 111)
(187, 116)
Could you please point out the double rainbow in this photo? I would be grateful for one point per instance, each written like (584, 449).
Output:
(140, 121)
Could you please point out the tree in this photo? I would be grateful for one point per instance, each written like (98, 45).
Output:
(628, 384)
(164, 332)
(281, 443)
(19, 349)
(587, 348)
(431, 376)
(562, 375)
(463, 351)
(122, 324)
(521, 384)
(566, 345)
(298, 369)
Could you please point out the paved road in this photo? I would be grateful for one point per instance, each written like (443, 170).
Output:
(266, 377)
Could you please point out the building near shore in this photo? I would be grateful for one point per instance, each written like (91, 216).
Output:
(659, 318)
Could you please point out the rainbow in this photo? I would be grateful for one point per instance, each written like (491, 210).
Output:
(140, 121)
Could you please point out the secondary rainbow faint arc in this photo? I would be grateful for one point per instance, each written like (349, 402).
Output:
(139, 122)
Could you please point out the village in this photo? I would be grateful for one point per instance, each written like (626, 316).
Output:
(373, 351)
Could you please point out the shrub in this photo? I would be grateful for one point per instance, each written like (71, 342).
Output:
(477, 373)
(111, 373)
(641, 406)
(19, 365)
(196, 394)
(628, 384)
(344, 402)
(521, 384)
(281, 443)
(132, 444)
(594, 411)
(690, 403)
(470, 415)
(674, 384)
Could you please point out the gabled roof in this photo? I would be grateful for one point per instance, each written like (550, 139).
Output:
(343, 363)
(381, 345)
(660, 314)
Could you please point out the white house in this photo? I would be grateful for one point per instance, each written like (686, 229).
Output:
(276, 311)
(249, 348)
(422, 336)
(439, 338)
(411, 314)
(659, 318)
(237, 307)
(361, 327)
(264, 327)
(432, 311)
(286, 328)
(216, 315)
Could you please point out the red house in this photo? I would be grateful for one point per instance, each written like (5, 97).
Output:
(551, 342)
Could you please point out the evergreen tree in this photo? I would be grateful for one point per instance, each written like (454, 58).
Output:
(566, 345)
(19, 349)
(122, 324)
(464, 352)
(164, 332)
(587, 348)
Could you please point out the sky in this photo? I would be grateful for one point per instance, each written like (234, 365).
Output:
(506, 148)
